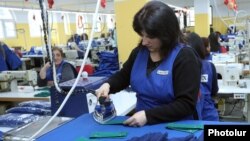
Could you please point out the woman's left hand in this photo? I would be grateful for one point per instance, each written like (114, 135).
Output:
(137, 120)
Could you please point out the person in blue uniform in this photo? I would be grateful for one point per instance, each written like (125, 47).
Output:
(8, 59)
(64, 70)
(162, 70)
(209, 85)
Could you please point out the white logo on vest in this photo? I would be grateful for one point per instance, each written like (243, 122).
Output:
(162, 72)
(204, 78)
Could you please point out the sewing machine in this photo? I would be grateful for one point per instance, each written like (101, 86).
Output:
(233, 92)
(71, 54)
(230, 73)
(8, 79)
(224, 58)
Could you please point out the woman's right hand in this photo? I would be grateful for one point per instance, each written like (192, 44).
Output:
(43, 70)
(47, 65)
(103, 90)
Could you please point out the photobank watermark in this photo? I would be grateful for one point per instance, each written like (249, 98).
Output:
(241, 132)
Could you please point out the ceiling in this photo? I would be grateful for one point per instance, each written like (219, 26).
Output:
(64, 5)
(89, 5)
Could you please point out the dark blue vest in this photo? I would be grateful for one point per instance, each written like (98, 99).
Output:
(209, 112)
(157, 88)
(209, 57)
(49, 72)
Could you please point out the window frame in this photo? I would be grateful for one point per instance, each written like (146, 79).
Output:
(188, 19)
(3, 22)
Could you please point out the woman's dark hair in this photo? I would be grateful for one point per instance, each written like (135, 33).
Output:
(158, 20)
(206, 45)
(102, 35)
(195, 41)
(85, 36)
(71, 39)
(213, 41)
(58, 49)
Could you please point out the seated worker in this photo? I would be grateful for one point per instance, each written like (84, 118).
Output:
(8, 59)
(80, 47)
(111, 45)
(159, 70)
(214, 43)
(209, 85)
(64, 70)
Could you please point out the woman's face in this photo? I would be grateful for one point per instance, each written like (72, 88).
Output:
(58, 57)
(153, 44)
(208, 48)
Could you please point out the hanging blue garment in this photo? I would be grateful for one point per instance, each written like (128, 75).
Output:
(209, 112)
(157, 88)
(108, 64)
(11, 61)
(49, 72)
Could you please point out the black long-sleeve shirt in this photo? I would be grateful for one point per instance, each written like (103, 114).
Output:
(186, 84)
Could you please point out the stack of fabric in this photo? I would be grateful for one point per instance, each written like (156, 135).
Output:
(24, 113)
(108, 64)
(37, 107)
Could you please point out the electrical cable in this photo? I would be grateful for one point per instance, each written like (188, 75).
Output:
(237, 12)
(44, 18)
(236, 16)
(216, 8)
(229, 113)
(235, 19)
(238, 105)
(78, 77)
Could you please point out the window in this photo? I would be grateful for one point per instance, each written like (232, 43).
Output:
(180, 16)
(191, 16)
(7, 24)
(10, 29)
(1, 30)
(98, 26)
(210, 15)
(81, 21)
(110, 21)
(5, 14)
(66, 23)
(35, 23)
